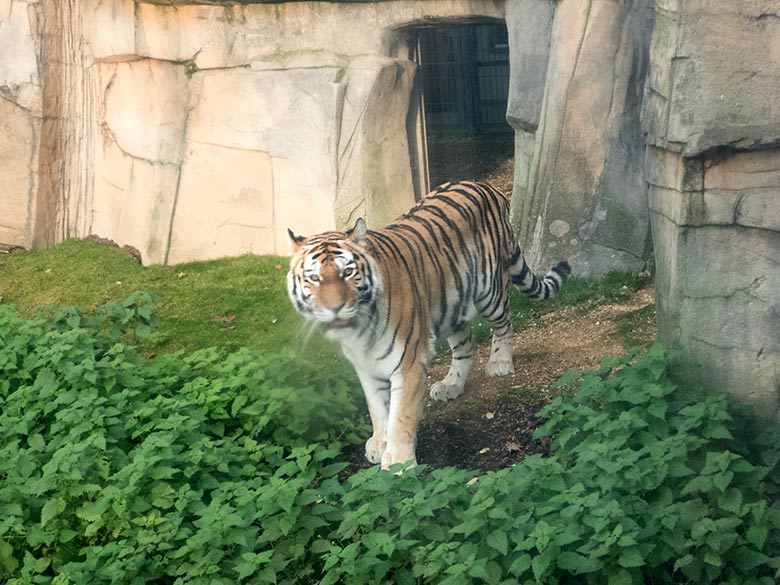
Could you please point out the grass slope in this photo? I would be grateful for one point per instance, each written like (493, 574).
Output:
(227, 303)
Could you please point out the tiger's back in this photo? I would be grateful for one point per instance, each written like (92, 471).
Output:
(454, 245)
(386, 294)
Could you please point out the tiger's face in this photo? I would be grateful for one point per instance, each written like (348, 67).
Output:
(332, 279)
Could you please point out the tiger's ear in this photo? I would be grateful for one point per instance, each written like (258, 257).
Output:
(296, 241)
(358, 233)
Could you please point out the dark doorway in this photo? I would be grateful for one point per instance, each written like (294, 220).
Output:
(464, 80)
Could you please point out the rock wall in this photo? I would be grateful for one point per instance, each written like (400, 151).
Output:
(20, 118)
(579, 190)
(192, 130)
(195, 131)
(713, 170)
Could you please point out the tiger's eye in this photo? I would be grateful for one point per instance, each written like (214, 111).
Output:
(349, 271)
(314, 277)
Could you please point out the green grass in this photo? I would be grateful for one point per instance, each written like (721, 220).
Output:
(247, 293)
(632, 328)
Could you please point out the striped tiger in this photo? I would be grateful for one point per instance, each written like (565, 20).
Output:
(386, 295)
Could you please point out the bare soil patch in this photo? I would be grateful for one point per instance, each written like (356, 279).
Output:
(491, 425)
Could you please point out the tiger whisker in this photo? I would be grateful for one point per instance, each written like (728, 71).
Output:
(306, 333)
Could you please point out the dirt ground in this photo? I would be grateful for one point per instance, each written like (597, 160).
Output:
(490, 426)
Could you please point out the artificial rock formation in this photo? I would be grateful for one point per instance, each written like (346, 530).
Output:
(579, 190)
(194, 131)
(713, 173)
(20, 119)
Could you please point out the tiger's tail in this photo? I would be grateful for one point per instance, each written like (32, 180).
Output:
(529, 284)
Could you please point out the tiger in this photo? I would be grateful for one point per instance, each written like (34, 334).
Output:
(386, 295)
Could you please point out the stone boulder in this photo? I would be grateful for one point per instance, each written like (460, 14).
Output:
(374, 166)
(715, 78)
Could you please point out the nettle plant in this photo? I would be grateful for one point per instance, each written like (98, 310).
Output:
(227, 468)
(651, 483)
(115, 468)
(666, 483)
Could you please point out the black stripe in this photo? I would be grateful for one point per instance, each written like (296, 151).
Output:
(518, 279)
(435, 260)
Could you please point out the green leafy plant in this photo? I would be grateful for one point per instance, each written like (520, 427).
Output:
(651, 483)
(116, 468)
(217, 467)
(679, 495)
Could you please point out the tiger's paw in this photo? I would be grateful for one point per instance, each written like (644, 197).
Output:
(399, 460)
(375, 448)
(444, 392)
(495, 368)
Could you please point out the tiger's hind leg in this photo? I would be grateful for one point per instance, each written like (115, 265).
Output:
(502, 346)
(463, 352)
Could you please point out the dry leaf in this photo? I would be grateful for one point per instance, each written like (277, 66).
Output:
(489, 415)
(483, 451)
(227, 321)
(512, 446)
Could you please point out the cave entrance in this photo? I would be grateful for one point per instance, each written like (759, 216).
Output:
(464, 87)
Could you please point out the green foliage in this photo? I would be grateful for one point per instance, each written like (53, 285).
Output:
(115, 468)
(222, 467)
(669, 484)
(132, 319)
(648, 485)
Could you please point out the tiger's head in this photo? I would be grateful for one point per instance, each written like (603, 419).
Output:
(333, 279)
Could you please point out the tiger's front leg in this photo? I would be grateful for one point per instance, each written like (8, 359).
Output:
(377, 392)
(406, 401)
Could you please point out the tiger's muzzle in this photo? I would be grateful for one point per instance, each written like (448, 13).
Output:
(340, 323)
